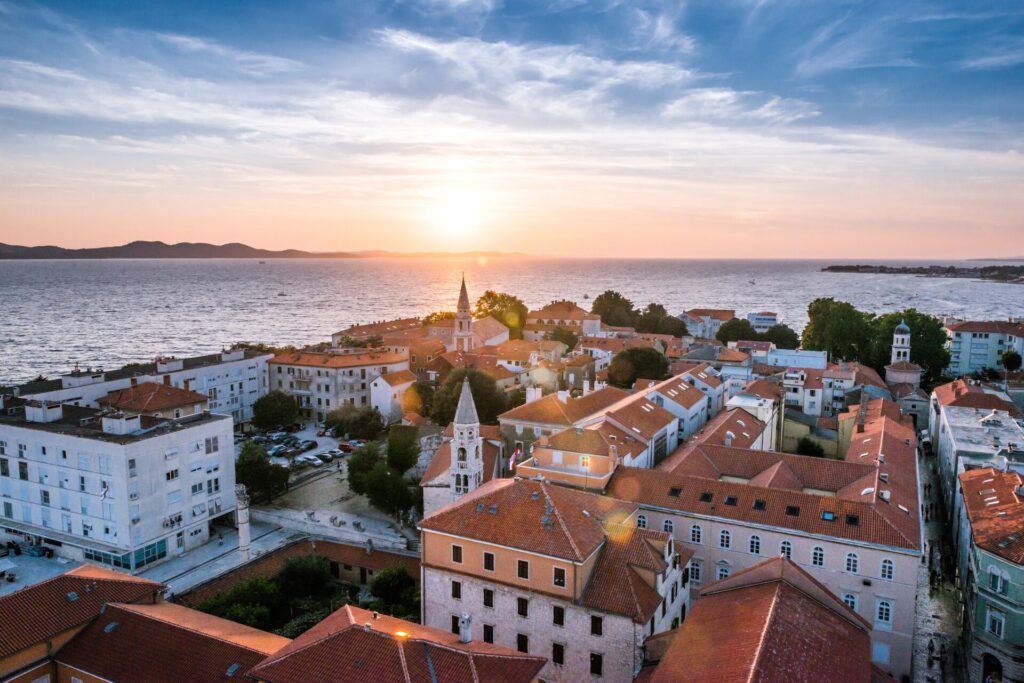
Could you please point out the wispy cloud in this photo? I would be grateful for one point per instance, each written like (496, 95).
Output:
(726, 104)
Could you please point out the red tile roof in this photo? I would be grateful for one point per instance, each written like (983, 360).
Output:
(744, 427)
(401, 377)
(772, 622)
(337, 360)
(763, 388)
(676, 389)
(380, 328)
(594, 440)
(148, 397)
(552, 410)
(964, 394)
(353, 644)
(47, 609)
(723, 314)
(123, 644)
(994, 501)
(641, 417)
(561, 310)
(990, 326)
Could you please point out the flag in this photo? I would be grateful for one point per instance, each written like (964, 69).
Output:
(512, 460)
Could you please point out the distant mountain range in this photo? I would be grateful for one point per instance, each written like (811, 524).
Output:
(141, 249)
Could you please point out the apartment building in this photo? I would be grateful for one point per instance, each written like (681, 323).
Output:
(976, 345)
(966, 393)
(763, 320)
(321, 381)
(704, 323)
(232, 380)
(555, 572)
(547, 415)
(155, 400)
(112, 488)
(561, 314)
(991, 576)
(854, 525)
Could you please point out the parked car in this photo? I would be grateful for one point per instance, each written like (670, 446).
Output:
(345, 447)
(308, 445)
(335, 453)
(310, 460)
(277, 437)
(279, 449)
(259, 439)
(283, 462)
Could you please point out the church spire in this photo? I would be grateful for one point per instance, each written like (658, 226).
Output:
(465, 414)
(463, 296)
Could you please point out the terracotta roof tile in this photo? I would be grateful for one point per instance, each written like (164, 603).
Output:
(401, 377)
(994, 501)
(990, 326)
(551, 410)
(148, 397)
(337, 360)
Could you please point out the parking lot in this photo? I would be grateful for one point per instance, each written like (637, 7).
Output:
(307, 433)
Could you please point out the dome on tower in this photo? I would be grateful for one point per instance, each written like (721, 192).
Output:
(902, 328)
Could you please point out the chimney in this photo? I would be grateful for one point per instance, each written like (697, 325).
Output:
(465, 628)
(188, 382)
(613, 452)
(167, 380)
(563, 395)
(729, 436)
(135, 381)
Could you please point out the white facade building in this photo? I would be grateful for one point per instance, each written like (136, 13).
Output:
(977, 345)
(763, 320)
(119, 490)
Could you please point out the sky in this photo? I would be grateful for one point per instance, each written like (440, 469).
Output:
(596, 128)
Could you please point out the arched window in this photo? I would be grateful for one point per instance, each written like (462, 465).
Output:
(641, 521)
(851, 601)
(723, 571)
(887, 570)
(695, 533)
(851, 563)
(462, 454)
(884, 612)
(818, 556)
(755, 545)
(695, 570)
(724, 539)
(786, 550)
(668, 527)
(998, 581)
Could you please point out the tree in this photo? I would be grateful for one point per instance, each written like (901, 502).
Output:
(808, 446)
(305, 576)
(839, 329)
(417, 398)
(363, 422)
(614, 309)
(564, 335)
(490, 401)
(252, 599)
(516, 397)
(436, 317)
(1011, 361)
(263, 479)
(403, 447)
(507, 309)
(387, 490)
(632, 364)
(276, 409)
(360, 465)
(783, 336)
(927, 342)
(737, 329)
(395, 589)
(657, 320)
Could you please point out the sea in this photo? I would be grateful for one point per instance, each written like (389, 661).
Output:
(105, 313)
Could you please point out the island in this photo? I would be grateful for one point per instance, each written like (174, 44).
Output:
(995, 273)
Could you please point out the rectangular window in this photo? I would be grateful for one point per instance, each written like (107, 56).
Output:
(488, 597)
(171, 475)
(5, 469)
(558, 653)
(559, 577)
(558, 615)
(23, 471)
(457, 554)
(596, 626)
(489, 561)
(488, 633)
(522, 642)
(523, 607)
(596, 664)
(455, 623)
(995, 622)
(523, 569)
(457, 590)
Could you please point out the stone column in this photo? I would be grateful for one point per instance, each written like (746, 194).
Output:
(242, 514)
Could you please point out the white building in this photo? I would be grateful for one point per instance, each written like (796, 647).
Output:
(977, 345)
(705, 322)
(387, 393)
(763, 320)
(233, 380)
(797, 358)
(119, 490)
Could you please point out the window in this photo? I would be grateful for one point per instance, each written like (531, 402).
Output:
(211, 444)
(23, 471)
(760, 505)
(724, 539)
(488, 633)
(755, 545)
(171, 475)
(695, 533)
(596, 626)
(851, 563)
(887, 570)
(596, 664)
(995, 622)
(786, 550)
(455, 624)
(523, 569)
(523, 607)
(197, 488)
(853, 520)
(558, 615)
(522, 642)
(488, 597)
(489, 562)
(730, 500)
(641, 521)
(457, 554)
(706, 497)
(675, 492)
(793, 510)
(457, 590)
(559, 578)
(667, 526)
(5, 470)
(558, 653)
(883, 613)
(999, 582)
(851, 601)
(723, 572)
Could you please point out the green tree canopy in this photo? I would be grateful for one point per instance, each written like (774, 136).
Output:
(654, 318)
(362, 422)
(839, 329)
(1011, 360)
(490, 401)
(263, 479)
(614, 309)
(276, 409)
(306, 576)
(403, 447)
(361, 464)
(505, 308)
(437, 316)
(396, 590)
(564, 335)
(387, 489)
(516, 397)
(737, 329)
(632, 364)
(417, 398)
(927, 342)
(806, 446)
(783, 336)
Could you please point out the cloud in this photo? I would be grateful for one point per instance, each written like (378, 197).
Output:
(726, 104)
(252, 62)
(1001, 56)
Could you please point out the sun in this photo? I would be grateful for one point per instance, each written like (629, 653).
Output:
(456, 212)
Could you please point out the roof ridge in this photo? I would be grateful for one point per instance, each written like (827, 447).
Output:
(764, 632)
(125, 607)
(561, 522)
